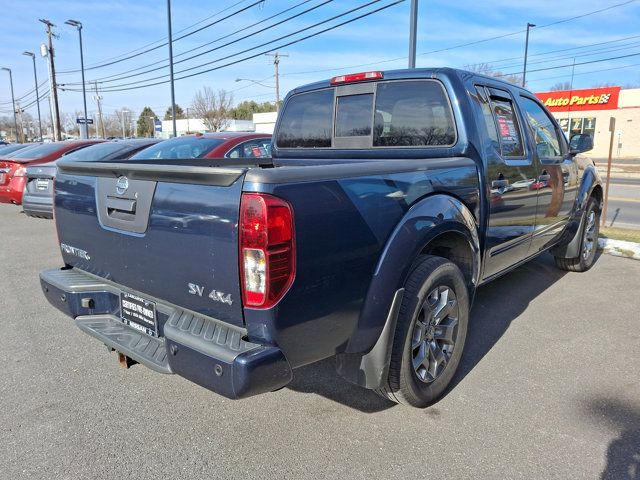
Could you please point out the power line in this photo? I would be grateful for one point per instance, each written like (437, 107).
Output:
(123, 76)
(617, 48)
(462, 45)
(28, 94)
(130, 86)
(571, 64)
(589, 72)
(160, 40)
(165, 43)
(562, 50)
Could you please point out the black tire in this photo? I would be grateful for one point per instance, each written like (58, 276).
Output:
(588, 241)
(423, 385)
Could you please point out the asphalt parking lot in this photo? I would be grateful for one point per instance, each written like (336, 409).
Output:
(549, 388)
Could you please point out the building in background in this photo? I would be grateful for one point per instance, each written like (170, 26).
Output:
(195, 125)
(589, 110)
(265, 122)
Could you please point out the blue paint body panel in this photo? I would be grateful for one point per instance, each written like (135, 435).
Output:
(192, 237)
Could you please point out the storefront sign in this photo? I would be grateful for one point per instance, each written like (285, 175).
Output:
(580, 100)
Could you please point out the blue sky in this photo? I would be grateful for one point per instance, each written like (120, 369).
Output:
(115, 27)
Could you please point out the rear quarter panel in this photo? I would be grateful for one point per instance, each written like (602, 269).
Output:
(342, 225)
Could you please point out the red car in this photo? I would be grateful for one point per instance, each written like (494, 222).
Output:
(210, 145)
(13, 167)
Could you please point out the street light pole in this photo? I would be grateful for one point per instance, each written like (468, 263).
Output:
(85, 125)
(13, 101)
(173, 93)
(35, 77)
(526, 52)
(413, 33)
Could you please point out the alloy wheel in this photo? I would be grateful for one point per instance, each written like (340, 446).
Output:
(434, 334)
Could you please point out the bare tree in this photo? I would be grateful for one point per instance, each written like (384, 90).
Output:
(488, 70)
(561, 86)
(213, 108)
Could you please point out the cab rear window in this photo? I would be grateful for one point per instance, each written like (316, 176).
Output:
(307, 121)
(411, 113)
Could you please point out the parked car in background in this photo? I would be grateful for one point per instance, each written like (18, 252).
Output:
(10, 148)
(14, 167)
(37, 198)
(211, 145)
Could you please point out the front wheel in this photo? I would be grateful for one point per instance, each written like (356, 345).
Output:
(430, 333)
(588, 242)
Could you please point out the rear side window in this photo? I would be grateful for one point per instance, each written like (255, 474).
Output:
(256, 148)
(39, 151)
(413, 113)
(307, 121)
(182, 148)
(507, 127)
(96, 152)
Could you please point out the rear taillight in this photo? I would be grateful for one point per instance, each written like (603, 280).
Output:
(20, 172)
(267, 249)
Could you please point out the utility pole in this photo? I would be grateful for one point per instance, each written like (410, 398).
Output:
(526, 51)
(276, 61)
(413, 33)
(97, 97)
(52, 79)
(173, 92)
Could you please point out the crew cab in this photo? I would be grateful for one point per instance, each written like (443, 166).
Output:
(389, 199)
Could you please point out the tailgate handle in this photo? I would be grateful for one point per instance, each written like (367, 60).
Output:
(117, 206)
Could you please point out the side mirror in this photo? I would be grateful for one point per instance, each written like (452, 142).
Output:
(581, 142)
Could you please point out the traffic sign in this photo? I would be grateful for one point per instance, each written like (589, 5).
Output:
(83, 121)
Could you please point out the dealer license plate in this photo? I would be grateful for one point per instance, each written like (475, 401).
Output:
(42, 184)
(138, 313)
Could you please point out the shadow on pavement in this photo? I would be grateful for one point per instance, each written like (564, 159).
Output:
(496, 306)
(500, 302)
(623, 453)
(321, 378)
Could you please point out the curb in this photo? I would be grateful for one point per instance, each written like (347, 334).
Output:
(619, 248)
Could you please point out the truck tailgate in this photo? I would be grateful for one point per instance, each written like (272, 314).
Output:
(167, 231)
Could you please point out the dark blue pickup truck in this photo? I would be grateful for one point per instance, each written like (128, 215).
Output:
(390, 197)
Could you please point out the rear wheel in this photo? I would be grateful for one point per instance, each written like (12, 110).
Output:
(430, 333)
(588, 242)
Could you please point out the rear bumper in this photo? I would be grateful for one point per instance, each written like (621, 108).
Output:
(37, 205)
(206, 351)
(12, 191)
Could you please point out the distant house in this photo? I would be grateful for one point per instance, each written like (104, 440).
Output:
(196, 125)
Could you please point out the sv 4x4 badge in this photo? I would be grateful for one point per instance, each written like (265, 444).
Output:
(214, 295)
